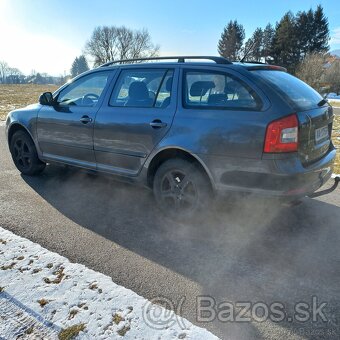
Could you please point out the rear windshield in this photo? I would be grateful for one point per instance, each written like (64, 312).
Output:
(300, 95)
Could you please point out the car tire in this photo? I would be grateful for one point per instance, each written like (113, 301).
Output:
(24, 154)
(181, 189)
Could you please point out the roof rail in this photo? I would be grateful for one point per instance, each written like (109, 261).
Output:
(180, 59)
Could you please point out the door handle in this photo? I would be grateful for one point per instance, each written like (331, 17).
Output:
(157, 124)
(86, 119)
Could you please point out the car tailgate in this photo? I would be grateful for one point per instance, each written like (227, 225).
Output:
(315, 129)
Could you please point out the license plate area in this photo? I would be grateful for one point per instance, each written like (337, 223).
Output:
(321, 133)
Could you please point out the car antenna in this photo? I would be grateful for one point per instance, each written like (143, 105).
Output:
(247, 52)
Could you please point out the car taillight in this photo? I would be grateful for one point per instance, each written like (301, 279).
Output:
(282, 135)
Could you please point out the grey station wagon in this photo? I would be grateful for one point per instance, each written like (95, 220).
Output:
(187, 129)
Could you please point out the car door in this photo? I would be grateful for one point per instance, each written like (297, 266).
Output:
(134, 118)
(226, 112)
(65, 129)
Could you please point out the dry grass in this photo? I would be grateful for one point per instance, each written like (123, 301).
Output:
(15, 96)
(59, 273)
(9, 266)
(334, 103)
(42, 302)
(117, 318)
(123, 330)
(71, 332)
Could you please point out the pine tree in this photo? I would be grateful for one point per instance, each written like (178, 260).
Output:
(304, 28)
(79, 66)
(285, 43)
(82, 64)
(254, 46)
(320, 32)
(267, 40)
(313, 32)
(231, 42)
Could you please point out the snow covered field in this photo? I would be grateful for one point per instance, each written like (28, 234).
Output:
(43, 295)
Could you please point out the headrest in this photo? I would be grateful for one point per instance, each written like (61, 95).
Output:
(138, 91)
(200, 88)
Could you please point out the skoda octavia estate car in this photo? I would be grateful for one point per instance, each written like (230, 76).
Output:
(187, 129)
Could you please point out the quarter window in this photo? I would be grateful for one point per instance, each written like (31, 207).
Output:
(216, 90)
(85, 91)
(143, 88)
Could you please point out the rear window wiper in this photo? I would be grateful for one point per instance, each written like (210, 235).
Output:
(323, 101)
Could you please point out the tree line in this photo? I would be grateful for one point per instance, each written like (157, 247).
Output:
(9, 74)
(286, 44)
(298, 42)
(12, 75)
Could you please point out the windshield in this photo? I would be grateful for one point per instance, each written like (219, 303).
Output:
(294, 90)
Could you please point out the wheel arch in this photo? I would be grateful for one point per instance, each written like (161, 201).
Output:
(174, 152)
(13, 128)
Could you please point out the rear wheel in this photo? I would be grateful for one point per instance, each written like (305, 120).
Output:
(25, 155)
(181, 190)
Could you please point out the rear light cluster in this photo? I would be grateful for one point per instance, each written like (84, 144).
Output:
(282, 135)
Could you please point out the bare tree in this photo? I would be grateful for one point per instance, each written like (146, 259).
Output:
(3, 71)
(108, 43)
(332, 77)
(13, 75)
(311, 70)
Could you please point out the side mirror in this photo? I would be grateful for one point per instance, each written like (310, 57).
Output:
(46, 98)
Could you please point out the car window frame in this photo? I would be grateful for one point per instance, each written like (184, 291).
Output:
(165, 68)
(111, 74)
(185, 70)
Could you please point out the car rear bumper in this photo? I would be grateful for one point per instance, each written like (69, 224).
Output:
(285, 177)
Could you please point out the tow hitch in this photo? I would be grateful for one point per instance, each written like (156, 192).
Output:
(326, 191)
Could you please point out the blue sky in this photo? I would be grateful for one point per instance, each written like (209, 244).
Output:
(46, 35)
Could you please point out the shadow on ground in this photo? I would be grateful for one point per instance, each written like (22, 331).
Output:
(245, 250)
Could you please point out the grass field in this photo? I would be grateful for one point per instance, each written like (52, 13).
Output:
(15, 96)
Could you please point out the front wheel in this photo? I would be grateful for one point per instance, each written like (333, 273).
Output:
(181, 190)
(25, 155)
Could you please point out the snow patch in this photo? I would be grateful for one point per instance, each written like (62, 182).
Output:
(44, 293)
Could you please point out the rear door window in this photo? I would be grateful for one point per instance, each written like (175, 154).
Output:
(300, 95)
(143, 88)
(217, 90)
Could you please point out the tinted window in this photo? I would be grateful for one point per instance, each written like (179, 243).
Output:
(85, 91)
(142, 88)
(298, 93)
(217, 90)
